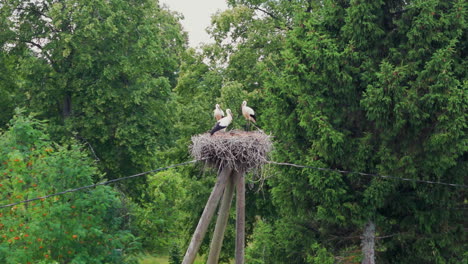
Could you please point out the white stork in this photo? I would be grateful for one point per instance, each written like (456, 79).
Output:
(248, 112)
(223, 122)
(218, 113)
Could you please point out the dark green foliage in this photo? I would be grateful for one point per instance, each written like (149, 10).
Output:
(7, 87)
(102, 71)
(378, 96)
(359, 85)
(175, 254)
(374, 86)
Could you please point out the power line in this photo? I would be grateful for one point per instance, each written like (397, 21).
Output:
(270, 162)
(368, 174)
(97, 184)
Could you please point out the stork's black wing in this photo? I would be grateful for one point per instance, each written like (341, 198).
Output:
(217, 127)
(254, 118)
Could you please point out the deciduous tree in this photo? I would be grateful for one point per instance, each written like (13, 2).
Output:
(85, 226)
(101, 70)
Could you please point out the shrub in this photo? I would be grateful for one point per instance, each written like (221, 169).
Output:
(78, 227)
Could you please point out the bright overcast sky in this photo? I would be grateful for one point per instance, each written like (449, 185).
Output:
(197, 17)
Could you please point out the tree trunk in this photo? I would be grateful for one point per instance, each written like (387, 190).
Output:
(67, 105)
(240, 220)
(221, 222)
(368, 243)
(207, 214)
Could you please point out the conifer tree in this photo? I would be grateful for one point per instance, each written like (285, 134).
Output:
(380, 87)
(371, 86)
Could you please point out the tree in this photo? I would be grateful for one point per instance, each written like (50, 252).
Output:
(7, 86)
(204, 81)
(84, 226)
(373, 86)
(378, 87)
(101, 70)
(161, 217)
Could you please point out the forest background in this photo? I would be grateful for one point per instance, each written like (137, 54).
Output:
(101, 89)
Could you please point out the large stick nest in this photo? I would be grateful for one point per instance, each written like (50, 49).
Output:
(236, 149)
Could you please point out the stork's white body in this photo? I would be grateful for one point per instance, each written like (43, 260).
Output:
(226, 121)
(248, 112)
(222, 123)
(218, 113)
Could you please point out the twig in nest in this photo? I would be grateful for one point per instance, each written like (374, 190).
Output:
(239, 150)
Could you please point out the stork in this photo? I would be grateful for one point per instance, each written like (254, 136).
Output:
(218, 113)
(222, 123)
(248, 113)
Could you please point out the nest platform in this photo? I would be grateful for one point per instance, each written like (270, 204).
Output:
(239, 150)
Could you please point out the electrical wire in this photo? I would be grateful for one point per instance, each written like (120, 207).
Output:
(270, 162)
(97, 184)
(368, 174)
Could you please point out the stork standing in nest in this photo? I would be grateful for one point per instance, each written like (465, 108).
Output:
(248, 113)
(218, 113)
(223, 122)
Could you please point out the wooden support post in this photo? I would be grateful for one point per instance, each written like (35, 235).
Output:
(221, 222)
(368, 243)
(240, 219)
(239, 151)
(207, 214)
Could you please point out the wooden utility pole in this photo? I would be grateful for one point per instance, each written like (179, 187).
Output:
(233, 153)
(240, 218)
(221, 222)
(207, 214)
